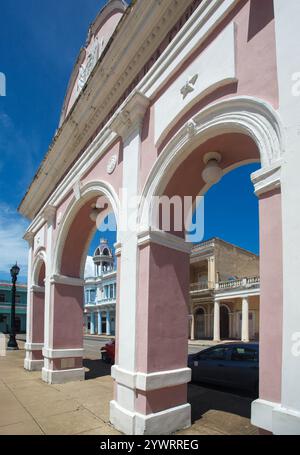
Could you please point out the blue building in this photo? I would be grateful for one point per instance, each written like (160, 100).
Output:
(100, 292)
(5, 307)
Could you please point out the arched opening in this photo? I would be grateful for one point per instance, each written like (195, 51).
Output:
(71, 286)
(178, 174)
(200, 324)
(34, 359)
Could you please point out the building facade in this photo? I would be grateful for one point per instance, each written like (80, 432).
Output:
(5, 307)
(224, 292)
(100, 293)
(165, 98)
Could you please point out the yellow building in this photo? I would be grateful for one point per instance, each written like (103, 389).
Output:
(224, 292)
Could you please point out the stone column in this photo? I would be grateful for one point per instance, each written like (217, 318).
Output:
(35, 313)
(159, 381)
(217, 321)
(108, 331)
(193, 326)
(128, 125)
(64, 297)
(245, 319)
(92, 330)
(99, 323)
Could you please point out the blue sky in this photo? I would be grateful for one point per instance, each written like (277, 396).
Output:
(39, 43)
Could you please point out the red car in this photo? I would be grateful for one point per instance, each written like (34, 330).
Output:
(108, 352)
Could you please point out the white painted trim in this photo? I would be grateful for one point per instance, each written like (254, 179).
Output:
(40, 289)
(151, 381)
(63, 376)
(202, 23)
(237, 294)
(131, 49)
(33, 365)
(68, 280)
(62, 353)
(267, 180)
(275, 418)
(89, 190)
(164, 239)
(34, 346)
(261, 414)
(161, 423)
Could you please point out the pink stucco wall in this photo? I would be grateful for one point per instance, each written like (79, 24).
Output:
(38, 307)
(159, 400)
(163, 293)
(271, 296)
(256, 70)
(67, 316)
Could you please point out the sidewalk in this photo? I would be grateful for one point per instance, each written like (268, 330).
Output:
(31, 407)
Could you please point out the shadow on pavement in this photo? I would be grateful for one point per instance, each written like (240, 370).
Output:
(205, 398)
(96, 368)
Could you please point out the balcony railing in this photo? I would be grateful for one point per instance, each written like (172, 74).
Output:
(201, 286)
(247, 282)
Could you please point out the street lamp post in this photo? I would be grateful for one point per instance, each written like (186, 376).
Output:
(12, 343)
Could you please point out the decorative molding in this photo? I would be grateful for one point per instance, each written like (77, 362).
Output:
(70, 281)
(62, 376)
(266, 180)
(247, 115)
(165, 239)
(131, 115)
(35, 288)
(29, 237)
(49, 213)
(106, 87)
(62, 353)
(77, 190)
(118, 249)
(151, 381)
(92, 188)
(275, 418)
(112, 164)
(189, 86)
(34, 346)
(163, 422)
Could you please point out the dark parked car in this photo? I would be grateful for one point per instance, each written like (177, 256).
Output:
(229, 364)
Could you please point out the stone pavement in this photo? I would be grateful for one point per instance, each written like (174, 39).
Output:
(28, 406)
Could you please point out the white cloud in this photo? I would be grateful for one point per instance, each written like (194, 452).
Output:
(12, 246)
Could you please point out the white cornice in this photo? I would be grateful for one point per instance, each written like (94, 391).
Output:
(164, 239)
(70, 281)
(131, 115)
(151, 381)
(266, 180)
(130, 50)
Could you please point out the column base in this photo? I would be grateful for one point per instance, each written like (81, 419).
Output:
(33, 365)
(63, 376)
(161, 423)
(274, 418)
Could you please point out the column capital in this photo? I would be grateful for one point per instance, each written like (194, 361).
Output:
(29, 237)
(165, 239)
(131, 115)
(267, 179)
(49, 213)
(68, 280)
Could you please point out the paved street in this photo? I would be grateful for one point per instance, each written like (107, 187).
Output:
(29, 406)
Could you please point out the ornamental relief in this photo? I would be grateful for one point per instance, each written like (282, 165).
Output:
(92, 58)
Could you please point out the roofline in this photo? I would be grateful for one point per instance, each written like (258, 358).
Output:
(218, 239)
